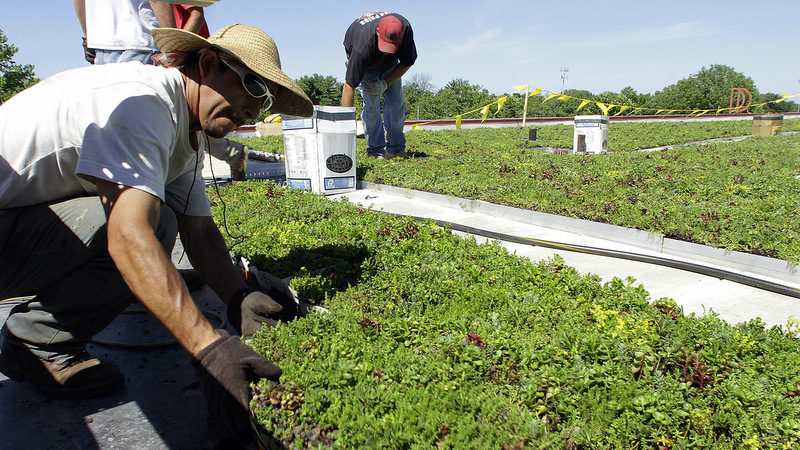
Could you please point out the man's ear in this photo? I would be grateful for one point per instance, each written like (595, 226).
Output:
(208, 61)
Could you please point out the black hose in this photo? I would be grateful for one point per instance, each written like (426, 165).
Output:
(638, 257)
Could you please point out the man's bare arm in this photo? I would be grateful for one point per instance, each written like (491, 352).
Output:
(395, 75)
(209, 255)
(348, 94)
(196, 20)
(132, 218)
(164, 14)
(80, 11)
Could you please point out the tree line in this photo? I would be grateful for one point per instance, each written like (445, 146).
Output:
(710, 88)
(13, 77)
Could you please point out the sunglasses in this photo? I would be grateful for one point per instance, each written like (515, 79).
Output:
(254, 85)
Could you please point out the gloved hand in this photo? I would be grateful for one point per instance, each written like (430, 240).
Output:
(225, 370)
(88, 53)
(374, 87)
(249, 309)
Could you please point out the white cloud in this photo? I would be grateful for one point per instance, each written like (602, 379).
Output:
(480, 41)
(679, 31)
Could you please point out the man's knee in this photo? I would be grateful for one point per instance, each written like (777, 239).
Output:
(371, 110)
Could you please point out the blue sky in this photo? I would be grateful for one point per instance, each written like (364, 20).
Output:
(606, 44)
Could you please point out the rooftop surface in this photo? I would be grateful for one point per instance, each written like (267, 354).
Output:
(162, 406)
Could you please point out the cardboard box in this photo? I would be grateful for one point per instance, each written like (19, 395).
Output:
(269, 129)
(767, 124)
(321, 150)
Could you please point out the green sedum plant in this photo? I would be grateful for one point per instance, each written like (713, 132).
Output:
(432, 340)
(741, 196)
(266, 144)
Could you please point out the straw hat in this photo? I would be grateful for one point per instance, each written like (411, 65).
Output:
(254, 48)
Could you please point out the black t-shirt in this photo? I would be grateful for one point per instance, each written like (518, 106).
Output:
(361, 47)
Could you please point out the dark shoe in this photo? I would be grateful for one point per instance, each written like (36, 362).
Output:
(72, 376)
(402, 154)
(192, 279)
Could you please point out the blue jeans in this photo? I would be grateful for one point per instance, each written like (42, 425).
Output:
(114, 56)
(384, 135)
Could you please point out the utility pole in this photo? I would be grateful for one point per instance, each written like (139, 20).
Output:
(564, 71)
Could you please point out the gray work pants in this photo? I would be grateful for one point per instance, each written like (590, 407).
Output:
(59, 253)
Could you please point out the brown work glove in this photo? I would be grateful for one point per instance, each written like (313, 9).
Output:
(249, 309)
(225, 369)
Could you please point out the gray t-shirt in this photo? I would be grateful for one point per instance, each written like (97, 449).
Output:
(126, 123)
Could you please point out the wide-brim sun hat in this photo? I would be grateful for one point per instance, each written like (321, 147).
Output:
(254, 48)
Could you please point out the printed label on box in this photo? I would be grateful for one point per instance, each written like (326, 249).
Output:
(297, 124)
(340, 182)
(299, 183)
(339, 163)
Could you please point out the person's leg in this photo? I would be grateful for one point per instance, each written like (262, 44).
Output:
(41, 244)
(371, 118)
(394, 118)
(58, 253)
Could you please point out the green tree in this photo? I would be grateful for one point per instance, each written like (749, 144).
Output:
(613, 98)
(514, 105)
(540, 106)
(13, 77)
(635, 98)
(458, 96)
(708, 89)
(773, 107)
(421, 80)
(418, 92)
(322, 90)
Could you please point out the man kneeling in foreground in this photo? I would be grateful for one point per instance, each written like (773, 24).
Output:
(99, 171)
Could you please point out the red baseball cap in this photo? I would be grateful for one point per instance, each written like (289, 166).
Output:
(390, 33)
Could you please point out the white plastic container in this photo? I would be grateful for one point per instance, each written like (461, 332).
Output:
(591, 134)
(321, 150)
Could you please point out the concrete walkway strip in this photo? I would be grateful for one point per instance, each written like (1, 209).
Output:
(641, 240)
(696, 293)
